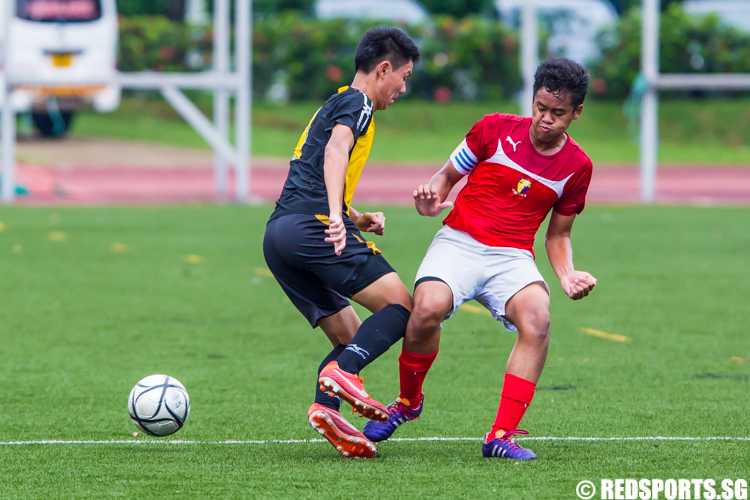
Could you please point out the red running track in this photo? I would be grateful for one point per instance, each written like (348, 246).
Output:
(379, 184)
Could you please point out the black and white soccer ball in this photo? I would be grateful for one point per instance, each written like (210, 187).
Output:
(159, 405)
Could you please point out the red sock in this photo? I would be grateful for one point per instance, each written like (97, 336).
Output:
(413, 369)
(516, 397)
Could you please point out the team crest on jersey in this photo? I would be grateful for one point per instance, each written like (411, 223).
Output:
(523, 188)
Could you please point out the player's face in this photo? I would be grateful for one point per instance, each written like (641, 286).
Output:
(393, 83)
(552, 113)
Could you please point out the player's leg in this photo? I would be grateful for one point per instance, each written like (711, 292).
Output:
(528, 310)
(390, 303)
(433, 301)
(322, 307)
(324, 414)
(340, 329)
(449, 274)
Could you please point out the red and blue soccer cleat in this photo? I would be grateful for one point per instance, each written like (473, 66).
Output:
(505, 447)
(349, 387)
(400, 412)
(341, 434)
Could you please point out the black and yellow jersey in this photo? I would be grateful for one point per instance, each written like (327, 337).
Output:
(305, 189)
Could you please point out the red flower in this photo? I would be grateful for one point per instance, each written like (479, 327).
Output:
(442, 94)
(599, 85)
(166, 53)
(334, 73)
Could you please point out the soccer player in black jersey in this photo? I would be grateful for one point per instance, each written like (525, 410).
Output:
(314, 247)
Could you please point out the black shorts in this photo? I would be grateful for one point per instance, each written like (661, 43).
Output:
(316, 280)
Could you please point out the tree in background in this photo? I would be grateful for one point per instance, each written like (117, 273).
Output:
(276, 6)
(457, 8)
(623, 6)
(270, 7)
(172, 9)
(175, 9)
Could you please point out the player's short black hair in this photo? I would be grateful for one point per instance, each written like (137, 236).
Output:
(563, 76)
(385, 43)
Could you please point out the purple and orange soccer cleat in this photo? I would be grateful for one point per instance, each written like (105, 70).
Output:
(349, 387)
(400, 412)
(505, 447)
(341, 434)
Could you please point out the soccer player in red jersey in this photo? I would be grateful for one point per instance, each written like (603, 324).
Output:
(519, 169)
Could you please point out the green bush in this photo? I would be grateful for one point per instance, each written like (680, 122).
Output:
(173, 9)
(689, 44)
(623, 6)
(465, 59)
(155, 43)
(472, 57)
(312, 57)
(457, 8)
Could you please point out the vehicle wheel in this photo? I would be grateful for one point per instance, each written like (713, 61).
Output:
(52, 126)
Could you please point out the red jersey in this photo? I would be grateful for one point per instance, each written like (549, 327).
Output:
(511, 186)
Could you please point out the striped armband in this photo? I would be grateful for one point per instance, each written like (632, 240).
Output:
(463, 159)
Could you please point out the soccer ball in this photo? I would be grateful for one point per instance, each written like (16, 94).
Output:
(159, 405)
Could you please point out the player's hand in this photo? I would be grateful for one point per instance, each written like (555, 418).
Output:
(336, 234)
(371, 222)
(578, 284)
(427, 201)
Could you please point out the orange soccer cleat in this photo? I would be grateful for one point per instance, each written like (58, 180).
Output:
(341, 434)
(349, 387)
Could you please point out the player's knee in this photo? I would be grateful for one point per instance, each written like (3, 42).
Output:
(535, 325)
(395, 293)
(404, 299)
(427, 315)
(425, 320)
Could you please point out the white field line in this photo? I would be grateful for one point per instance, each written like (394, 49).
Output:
(401, 440)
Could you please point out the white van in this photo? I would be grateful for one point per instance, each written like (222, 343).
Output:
(68, 48)
(573, 25)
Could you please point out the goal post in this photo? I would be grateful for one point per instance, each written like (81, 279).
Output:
(655, 81)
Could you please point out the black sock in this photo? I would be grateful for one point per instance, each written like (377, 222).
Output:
(321, 397)
(375, 336)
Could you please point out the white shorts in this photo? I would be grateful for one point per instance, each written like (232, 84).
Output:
(473, 270)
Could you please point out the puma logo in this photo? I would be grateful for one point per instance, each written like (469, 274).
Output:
(514, 144)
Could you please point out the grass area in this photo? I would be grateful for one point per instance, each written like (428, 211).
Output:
(85, 320)
(696, 132)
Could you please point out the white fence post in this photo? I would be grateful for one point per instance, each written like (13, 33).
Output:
(221, 96)
(529, 54)
(244, 97)
(9, 115)
(650, 103)
(649, 144)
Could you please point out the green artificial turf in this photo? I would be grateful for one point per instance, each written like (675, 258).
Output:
(692, 132)
(94, 299)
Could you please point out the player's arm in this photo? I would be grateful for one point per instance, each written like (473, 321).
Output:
(429, 199)
(576, 284)
(370, 222)
(334, 172)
